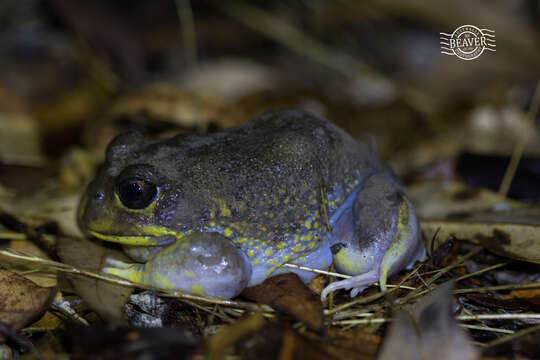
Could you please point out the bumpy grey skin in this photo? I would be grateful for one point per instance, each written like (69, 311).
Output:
(287, 187)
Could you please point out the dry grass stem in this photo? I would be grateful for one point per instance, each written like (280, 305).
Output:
(520, 145)
(513, 336)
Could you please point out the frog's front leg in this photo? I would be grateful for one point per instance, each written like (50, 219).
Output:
(199, 263)
(376, 236)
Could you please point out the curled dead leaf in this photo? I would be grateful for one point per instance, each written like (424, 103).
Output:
(287, 293)
(106, 298)
(520, 241)
(21, 300)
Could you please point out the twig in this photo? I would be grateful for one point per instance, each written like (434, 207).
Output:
(189, 38)
(513, 336)
(57, 266)
(486, 328)
(497, 316)
(286, 34)
(489, 268)
(330, 273)
(460, 317)
(520, 145)
(441, 272)
(497, 287)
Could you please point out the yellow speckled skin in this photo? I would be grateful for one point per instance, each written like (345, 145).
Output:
(287, 187)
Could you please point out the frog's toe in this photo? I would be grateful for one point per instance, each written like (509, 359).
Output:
(378, 237)
(115, 263)
(356, 283)
(124, 270)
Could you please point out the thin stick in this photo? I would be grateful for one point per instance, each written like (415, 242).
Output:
(330, 273)
(284, 33)
(486, 328)
(513, 336)
(497, 287)
(488, 288)
(489, 268)
(317, 271)
(362, 321)
(189, 37)
(460, 317)
(520, 145)
(57, 266)
(497, 316)
(12, 236)
(210, 311)
(442, 271)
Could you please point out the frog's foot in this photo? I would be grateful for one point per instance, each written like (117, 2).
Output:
(124, 270)
(115, 264)
(376, 237)
(356, 283)
(200, 263)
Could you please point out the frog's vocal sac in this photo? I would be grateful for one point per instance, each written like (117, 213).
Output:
(212, 214)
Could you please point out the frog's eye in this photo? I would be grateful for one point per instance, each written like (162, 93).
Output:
(136, 193)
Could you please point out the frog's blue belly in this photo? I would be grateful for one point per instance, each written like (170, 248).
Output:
(321, 257)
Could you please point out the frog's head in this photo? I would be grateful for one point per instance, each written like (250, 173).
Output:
(134, 198)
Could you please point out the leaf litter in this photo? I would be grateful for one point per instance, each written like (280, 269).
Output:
(483, 242)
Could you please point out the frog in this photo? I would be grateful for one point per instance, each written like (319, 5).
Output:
(211, 214)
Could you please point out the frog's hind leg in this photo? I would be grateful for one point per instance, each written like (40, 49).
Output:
(376, 236)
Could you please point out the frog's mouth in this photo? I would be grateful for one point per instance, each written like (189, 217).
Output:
(128, 239)
(150, 236)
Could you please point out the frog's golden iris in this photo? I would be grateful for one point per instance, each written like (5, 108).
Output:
(214, 213)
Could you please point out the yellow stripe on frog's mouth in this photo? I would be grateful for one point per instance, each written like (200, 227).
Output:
(151, 239)
(127, 240)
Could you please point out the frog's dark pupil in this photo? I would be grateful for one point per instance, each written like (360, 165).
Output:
(135, 193)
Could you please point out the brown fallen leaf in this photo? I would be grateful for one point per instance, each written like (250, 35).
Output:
(278, 340)
(218, 343)
(442, 256)
(453, 199)
(513, 233)
(428, 331)
(45, 279)
(167, 102)
(502, 304)
(21, 300)
(288, 294)
(531, 296)
(105, 298)
(352, 344)
(504, 227)
(19, 133)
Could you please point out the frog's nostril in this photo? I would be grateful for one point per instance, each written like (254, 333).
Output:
(99, 195)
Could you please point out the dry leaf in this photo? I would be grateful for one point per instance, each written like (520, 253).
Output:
(19, 132)
(45, 279)
(505, 227)
(21, 300)
(442, 200)
(514, 233)
(166, 102)
(288, 293)
(106, 298)
(218, 343)
(230, 78)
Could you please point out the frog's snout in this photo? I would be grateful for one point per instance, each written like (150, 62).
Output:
(91, 207)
